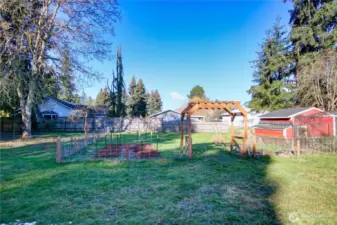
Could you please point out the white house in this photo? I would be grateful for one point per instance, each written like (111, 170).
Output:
(174, 116)
(54, 108)
(253, 118)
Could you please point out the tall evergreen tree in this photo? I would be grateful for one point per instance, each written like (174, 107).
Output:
(67, 86)
(120, 85)
(272, 69)
(117, 89)
(154, 103)
(112, 96)
(131, 102)
(102, 97)
(313, 36)
(139, 99)
(197, 92)
(313, 27)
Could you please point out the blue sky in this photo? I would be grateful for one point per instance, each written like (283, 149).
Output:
(175, 45)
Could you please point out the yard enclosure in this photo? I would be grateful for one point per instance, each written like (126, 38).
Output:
(212, 188)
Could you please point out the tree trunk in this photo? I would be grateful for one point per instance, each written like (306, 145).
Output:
(26, 105)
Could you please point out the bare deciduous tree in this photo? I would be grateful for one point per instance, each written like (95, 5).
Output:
(34, 34)
(318, 82)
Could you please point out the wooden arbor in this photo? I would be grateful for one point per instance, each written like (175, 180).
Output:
(227, 106)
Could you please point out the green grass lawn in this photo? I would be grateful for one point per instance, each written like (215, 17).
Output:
(212, 188)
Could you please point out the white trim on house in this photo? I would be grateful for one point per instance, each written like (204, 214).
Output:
(293, 115)
(60, 103)
(162, 112)
(334, 126)
(305, 111)
(170, 110)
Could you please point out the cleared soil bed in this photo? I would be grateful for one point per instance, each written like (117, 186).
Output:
(137, 151)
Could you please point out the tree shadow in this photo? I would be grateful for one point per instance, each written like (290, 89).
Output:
(213, 187)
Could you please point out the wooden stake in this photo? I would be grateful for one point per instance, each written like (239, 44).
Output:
(254, 144)
(189, 127)
(127, 154)
(182, 131)
(232, 132)
(75, 145)
(298, 147)
(58, 150)
(245, 137)
(85, 139)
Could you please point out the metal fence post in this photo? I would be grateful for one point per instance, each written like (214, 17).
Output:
(75, 145)
(58, 150)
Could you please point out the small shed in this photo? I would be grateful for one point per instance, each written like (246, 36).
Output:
(295, 122)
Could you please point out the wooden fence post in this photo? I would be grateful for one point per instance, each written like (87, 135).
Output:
(127, 154)
(189, 132)
(58, 150)
(254, 144)
(75, 145)
(298, 147)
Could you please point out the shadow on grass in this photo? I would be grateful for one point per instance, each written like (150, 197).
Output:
(212, 188)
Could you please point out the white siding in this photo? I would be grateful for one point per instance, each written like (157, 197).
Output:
(171, 116)
(50, 105)
(253, 119)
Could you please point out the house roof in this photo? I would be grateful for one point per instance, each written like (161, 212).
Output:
(170, 110)
(286, 113)
(62, 102)
(49, 112)
(68, 104)
(273, 126)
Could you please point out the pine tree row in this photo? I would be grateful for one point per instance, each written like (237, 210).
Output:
(136, 102)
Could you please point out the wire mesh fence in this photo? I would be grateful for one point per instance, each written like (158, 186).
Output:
(295, 146)
(110, 146)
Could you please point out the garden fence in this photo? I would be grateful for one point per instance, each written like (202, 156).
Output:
(112, 146)
(300, 145)
(67, 147)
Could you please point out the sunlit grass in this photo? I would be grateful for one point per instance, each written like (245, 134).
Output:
(212, 188)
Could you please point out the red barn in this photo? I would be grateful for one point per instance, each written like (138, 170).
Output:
(294, 122)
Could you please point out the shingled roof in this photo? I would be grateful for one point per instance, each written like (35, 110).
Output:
(285, 113)
(69, 104)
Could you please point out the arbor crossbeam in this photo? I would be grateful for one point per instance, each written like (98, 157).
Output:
(228, 106)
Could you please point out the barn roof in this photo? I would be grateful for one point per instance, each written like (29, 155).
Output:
(273, 126)
(286, 113)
